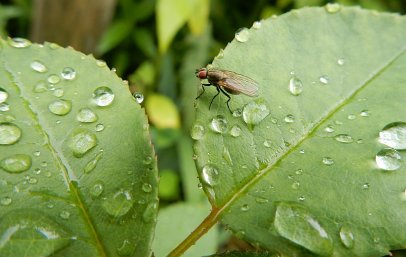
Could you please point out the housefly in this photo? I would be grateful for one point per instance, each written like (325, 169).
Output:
(227, 82)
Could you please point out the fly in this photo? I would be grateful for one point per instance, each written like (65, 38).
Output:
(227, 82)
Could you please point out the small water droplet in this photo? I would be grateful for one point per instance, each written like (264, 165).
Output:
(37, 153)
(5, 201)
(60, 107)
(210, 175)
(40, 87)
(351, 116)
(257, 25)
(53, 79)
(235, 131)
(9, 133)
(329, 129)
(197, 132)
(295, 223)
(242, 35)
(58, 92)
(68, 73)
(219, 124)
(139, 98)
(126, 249)
(18, 42)
(295, 185)
(324, 80)
(3, 95)
(267, 143)
(341, 61)
(16, 163)
(92, 163)
(295, 86)
(86, 115)
(32, 180)
(388, 159)
(289, 118)
(301, 198)
(365, 186)
(253, 113)
(237, 112)
(261, 200)
(299, 172)
(148, 160)
(150, 212)
(364, 113)
(64, 215)
(344, 138)
(302, 151)
(81, 141)
(97, 189)
(394, 135)
(245, 207)
(346, 236)
(220, 55)
(333, 7)
(119, 203)
(4, 107)
(103, 96)
(99, 127)
(38, 67)
(147, 188)
(227, 156)
(101, 63)
(328, 161)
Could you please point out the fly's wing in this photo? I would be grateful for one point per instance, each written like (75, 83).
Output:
(239, 83)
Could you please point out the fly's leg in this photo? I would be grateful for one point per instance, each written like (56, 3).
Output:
(228, 96)
(203, 85)
(218, 92)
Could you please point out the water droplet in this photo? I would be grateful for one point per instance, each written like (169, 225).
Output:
(148, 160)
(53, 79)
(97, 189)
(227, 156)
(4, 107)
(329, 129)
(324, 80)
(18, 42)
(197, 132)
(235, 131)
(302, 151)
(341, 61)
(346, 236)
(9, 133)
(365, 186)
(394, 135)
(219, 124)
(237, 112)
(103, 96)
(31, 180)
(210, 175)
(60, 107)
(242, 35)
(119, 203)
(328, 161)
(99, 127)
(64, 215)
(245, 207)
(295, 185)
(53, 46)
(6, 201)
(40, 87)
(333, 7)
(301, 198)
(351, 116)
(3, 95)
(289, 118)
(296, 224)
(68, 73)
(81, 141)
(58, 92)
(126, 249)
(147, 188)
(86, 115)
(220, 55)
(295, 86)
(254, 113)
(261, 200)
(388, 159)
(139, 98)
(257, 25)
(344, 138)
(364, 113)
(92, 163)
(101, 63)
(38, 67)
(150, 212)
(267, 143)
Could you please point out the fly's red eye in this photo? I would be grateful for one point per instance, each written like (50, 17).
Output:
(202, 74)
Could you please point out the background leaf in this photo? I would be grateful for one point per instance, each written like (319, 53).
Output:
(294, 169)
(77, 170)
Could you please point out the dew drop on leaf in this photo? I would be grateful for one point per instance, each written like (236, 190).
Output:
(119, 203)
(53, 79)
(245, 207)
(3, 95)
(289, 118)
(197, 132)
(86, 115)
(103, 96)
(60, 107)
(139, 98)
(68, 73)
(81, 141)
(242, 35)
(210, 175)
(394, 135)
(253, 113)
(257, 25)
(149, 212)
(324, 80)
(346, 237)
(18, 42)
(388, 159)
(64, 215)
(4, 107)
(344, 138)
(99, 127)
(9, 133)
(328, 161)
(147, 188)
(333, 7)
(5, 201)
(341, 61)
(38, 66)
(126, 248)
(40, 87)
(295, 86)
(92, 163)
(219, 124)
(235, 131)
(97, 189)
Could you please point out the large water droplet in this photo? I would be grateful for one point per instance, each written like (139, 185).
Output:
(296, 224)
(86, 115)
(253, 113)
(81, 141)
(333, 7)
(9, 133)
(295, 86)
(60, 107)
(344, 138)
(18, 42)
(68, 73)
(38, 66)
(3, 95)
(103, 96)
(210, 175)
(346, 236)
(197, 132)
(219, 124)
(242, 35)
(388, 159)
(119, 203)
(235, 131)
(394, 135)
(139, 98)
(16, 163)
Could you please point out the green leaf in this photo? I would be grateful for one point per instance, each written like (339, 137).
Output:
(115, 34)
(77, 171)
(294, 169)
